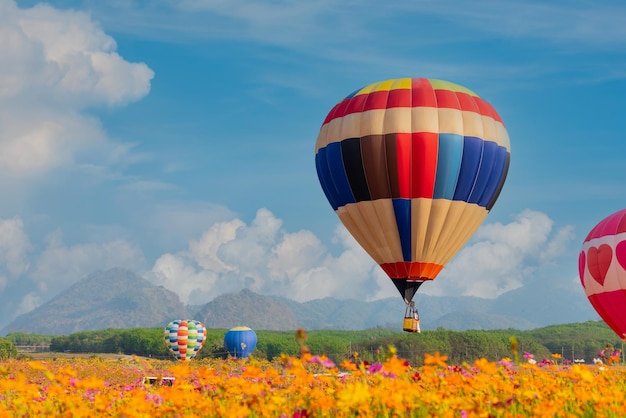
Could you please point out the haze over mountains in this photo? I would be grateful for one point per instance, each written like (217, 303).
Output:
(119, 298)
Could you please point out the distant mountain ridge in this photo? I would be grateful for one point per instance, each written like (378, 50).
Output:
(116, 298)
(119, 298)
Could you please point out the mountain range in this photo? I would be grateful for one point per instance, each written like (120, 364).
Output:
(120, 298)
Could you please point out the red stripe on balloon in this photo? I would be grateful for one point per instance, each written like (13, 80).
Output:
(376, 100)
(611, 225)
(467, 102)
(413, 270)
(611, 306)
(403, 158)
(332, 114)
(355, 104)
(487, 110)
(422, 93)
(424, 148)
(399, 98)
(447, 99)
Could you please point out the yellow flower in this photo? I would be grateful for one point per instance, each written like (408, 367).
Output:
(556, 356)
(348, 365)
(353, 394)
(252, 371)
(435, 360)
(91, 382)
(36, 365)
(580, 372)
(486, 366)
(395, 366)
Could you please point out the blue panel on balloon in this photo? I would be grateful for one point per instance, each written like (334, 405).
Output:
(485, 175)
(470, 164)
(323, 174)
(240, 342)
(402, 209)
(448, 165)
(338, 175)
(496, 180)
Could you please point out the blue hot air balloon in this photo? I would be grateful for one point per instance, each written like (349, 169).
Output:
(240, 342)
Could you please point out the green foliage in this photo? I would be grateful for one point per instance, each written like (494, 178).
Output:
(22, 338)
(583, 339)
(7, 349)
(138, 341)
(579, 340)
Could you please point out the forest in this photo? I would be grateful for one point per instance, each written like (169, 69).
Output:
(572, 342)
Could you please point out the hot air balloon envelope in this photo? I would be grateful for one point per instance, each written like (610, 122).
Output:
(602, 269)
(240, 342)
(412, 167)
(184, 338)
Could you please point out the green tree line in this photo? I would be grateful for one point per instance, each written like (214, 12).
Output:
(571, 341)
(7, 349)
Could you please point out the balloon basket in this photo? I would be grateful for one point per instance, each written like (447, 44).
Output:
(411, 325)
(411, 319)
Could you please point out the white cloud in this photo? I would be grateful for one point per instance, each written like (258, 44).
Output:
(55, 65)
(579, 23)
(74, 59)
(297, 251)
(501, 256)
(350, 275)
(192, 285)
(170, 224)
(28, 303)
(59, 265)
(264, 258)
(14, 250)
(29, 277)
(204, 250)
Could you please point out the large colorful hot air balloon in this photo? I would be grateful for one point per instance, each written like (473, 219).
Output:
(184, 338)
(240, 342)
(602, 269)
(412, 167)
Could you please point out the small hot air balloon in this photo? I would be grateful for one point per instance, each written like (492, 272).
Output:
(412, 167)
(602, 269)
(240, 342)
(184, 338)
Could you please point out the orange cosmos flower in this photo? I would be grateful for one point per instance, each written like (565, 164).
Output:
(435, 360)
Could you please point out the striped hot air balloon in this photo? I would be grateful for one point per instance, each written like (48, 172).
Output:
(184, 338)
(412, 167)
(602, 269)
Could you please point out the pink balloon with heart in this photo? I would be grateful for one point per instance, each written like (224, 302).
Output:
(598, 262)
(603, 261)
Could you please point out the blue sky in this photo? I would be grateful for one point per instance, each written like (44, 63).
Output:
(176, 138)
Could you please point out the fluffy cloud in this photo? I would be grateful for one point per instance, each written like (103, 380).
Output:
(501, 256)
(266, 259)
(14, 250)
(262, 256)
(55, 65)
(59, 265)
(30, 277)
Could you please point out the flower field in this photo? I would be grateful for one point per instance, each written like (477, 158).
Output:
(310, 386)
